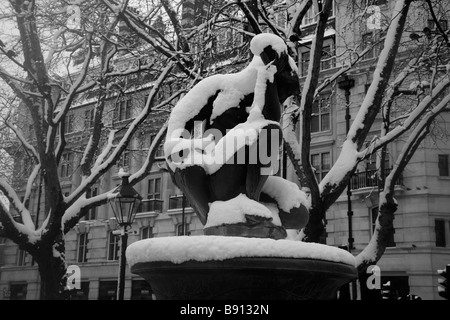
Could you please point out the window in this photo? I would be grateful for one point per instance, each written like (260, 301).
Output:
(123, 110)
(69, 125)
(313, 13)
(443, 165)
(82, 293)
(124, 160)
(113, 247)
(320, 117)
(439, 229)
(180, 229)
(146, 233)
(82, 247)
(66, 165)
(432, 25)
(154, 188)
(28, 165)
(281, 19)
(328, 58)
(367, 41)
(22, 256)
(92, 214)
(395, 287)
(160, 150)
(89, 118)
(18, 291)
(371, 163)
(305, 63)
(321, 163)
(373, 218)
(371, 41)
(222, 39)
(141, 290)
(107, 290)
(375, 2)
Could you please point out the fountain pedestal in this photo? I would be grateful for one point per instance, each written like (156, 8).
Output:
(242, 277)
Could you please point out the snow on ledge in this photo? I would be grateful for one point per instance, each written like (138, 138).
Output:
(206, 248)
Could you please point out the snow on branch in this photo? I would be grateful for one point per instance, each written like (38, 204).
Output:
(136, 25)
(77, 209)
(307, 96)
(15, 231)
(20, 136)
(372, 101)
(147, 166)
(12, 83)
(31, 179)
(414, 116)
(183, 44)
(383, 225)
(111, 159)
(76, 85)
(341, 71)
(14, 200)
(250, 15)
(294, 31)
(106, 150)
(291, 144)
(336, 180)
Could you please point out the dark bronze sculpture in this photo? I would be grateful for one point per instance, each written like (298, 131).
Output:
(246, 105)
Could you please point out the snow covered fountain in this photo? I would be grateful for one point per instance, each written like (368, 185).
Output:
(222, 149)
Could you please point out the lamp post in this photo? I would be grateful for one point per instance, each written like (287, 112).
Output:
(124, 204)
(346, 84)
(183, 218)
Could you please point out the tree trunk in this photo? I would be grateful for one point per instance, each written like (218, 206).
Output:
(52, 270)
(315, 229)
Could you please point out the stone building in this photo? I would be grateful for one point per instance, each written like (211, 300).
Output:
(420, 245)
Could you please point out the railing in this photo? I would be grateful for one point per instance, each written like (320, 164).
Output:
(176, 202)
(151, 205)
(369, 178)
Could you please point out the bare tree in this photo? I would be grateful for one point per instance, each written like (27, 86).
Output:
(38, 68)
(417, 58)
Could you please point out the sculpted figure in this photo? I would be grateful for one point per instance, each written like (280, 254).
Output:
(222, 147)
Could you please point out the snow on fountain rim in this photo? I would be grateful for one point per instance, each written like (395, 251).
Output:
(206, 248)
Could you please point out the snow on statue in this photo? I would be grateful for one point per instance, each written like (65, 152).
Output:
(223, 144)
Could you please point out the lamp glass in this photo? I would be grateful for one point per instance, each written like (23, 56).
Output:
(125, 209)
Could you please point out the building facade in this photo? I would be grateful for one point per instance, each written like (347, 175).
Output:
(419, 247)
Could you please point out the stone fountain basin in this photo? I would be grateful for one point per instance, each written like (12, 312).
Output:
(238, 268)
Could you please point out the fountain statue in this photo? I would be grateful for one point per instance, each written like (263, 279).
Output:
(222, 150)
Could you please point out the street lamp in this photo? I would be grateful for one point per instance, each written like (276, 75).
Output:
(124, 204)
(346, 84)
